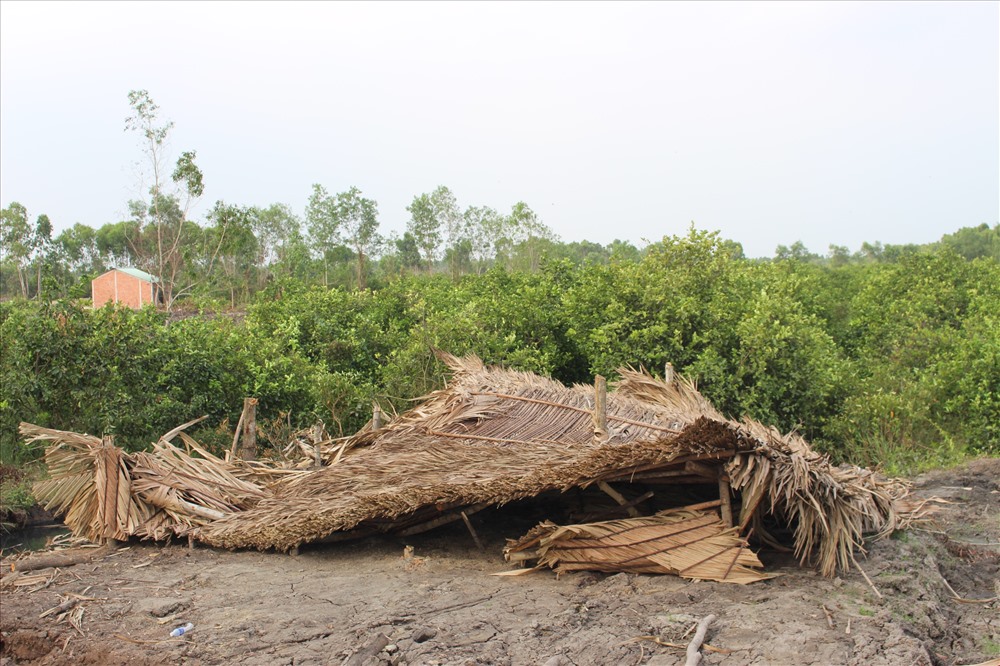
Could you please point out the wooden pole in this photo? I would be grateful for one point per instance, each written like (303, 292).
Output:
(376, 416)
(618, 497)
(317, 438)
(600, 416)
(248, 438)
(475, 537)
(668, 373)
(725, 496)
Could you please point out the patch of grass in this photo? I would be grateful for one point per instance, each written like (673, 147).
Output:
(902, 458)
(990, 647)
(900, 535)
(15, 496)
(866, 612)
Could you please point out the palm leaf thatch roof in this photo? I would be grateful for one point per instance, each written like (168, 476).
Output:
(493, 436)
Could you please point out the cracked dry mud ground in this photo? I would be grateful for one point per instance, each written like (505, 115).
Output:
(442, 606)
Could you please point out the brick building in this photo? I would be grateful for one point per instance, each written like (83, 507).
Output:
(127, 286)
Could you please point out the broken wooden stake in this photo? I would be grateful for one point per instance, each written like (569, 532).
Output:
(248, 438)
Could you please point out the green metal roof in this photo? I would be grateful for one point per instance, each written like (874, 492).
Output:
(135, 272)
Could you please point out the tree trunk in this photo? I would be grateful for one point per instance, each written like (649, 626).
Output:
(361, 271)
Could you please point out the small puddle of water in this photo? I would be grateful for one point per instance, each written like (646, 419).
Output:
(30, 538)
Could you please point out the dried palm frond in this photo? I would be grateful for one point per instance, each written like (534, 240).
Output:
(107, 493)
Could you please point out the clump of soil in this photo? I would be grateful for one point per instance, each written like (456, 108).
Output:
(431, 600)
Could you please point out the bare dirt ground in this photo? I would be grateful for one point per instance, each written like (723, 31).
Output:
(440, 605)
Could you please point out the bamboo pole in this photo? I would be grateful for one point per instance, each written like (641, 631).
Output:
(600, 409)
(376, 416)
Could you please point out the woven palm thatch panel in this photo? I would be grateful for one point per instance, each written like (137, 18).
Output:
(692, 544)
(830, 507)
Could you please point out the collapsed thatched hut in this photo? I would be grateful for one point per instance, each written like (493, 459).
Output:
(493, 436)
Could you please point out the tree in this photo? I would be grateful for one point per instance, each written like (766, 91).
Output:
(839, 255)
(41, 245)
(425, 227)
(275, 228)
(233, 246)
(16, 241)
(169, 201)
(408, 252)
(975, 242)
(323, 222)
(347, 218)
(358, 226)
(449, 220)
(798, 252)
(528, 234)
(484, 228)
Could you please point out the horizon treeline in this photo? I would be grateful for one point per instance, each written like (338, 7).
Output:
(239, 250)
(891, 358)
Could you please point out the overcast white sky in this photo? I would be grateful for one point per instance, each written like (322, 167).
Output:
(771, 122)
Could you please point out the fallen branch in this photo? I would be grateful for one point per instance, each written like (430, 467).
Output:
(58, 560)
(659, 641)
(960, 599)
(869, 580)
(829, 617)
(61, 608)
(694, 647)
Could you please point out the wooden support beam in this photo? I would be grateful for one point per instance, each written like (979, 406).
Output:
(711, 504)
(701, 469)
(618, 497)
(725, 496)
(600, 409)
(607, 515)
(668, 373)
(376, 416)
(441, 520)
